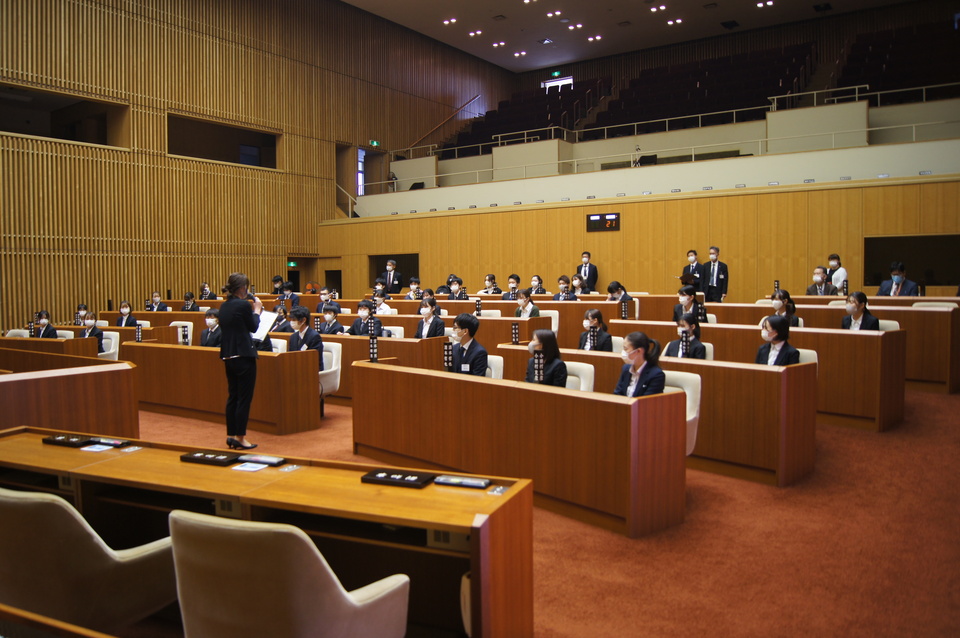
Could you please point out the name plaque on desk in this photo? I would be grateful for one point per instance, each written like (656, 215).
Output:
(211, 457)
(400, 478)
(68, 440)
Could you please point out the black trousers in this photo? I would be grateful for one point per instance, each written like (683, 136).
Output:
(713, 294)
(241, 380)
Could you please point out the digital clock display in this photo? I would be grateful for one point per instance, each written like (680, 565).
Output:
(605, 221)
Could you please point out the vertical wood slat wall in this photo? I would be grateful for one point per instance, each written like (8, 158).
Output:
(762, 236)
(87, 223)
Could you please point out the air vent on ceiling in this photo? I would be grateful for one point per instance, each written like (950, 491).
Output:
(625, 23)
(499, 18)
(821, 8)
(712, 5)
(730, 24)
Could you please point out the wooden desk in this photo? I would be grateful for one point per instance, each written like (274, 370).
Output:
(74, 347)
(900, 302)
(158, 334)
(765, 436)
(860, 381)
(191, 382)
(163, 319)
(493, 330)
(365, 531)
(604, 459)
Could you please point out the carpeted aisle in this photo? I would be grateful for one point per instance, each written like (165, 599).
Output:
(867, 546)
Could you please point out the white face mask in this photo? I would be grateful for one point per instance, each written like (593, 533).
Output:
(577, 283)
(586, 324)
(680, 331)
(295, 326)
(456, 336)
(328, 318)
(534, 285)
(426, 312)
(389, 268)
(684, 300)
(44, 322)
(454, 288)
(211, 322)
(488, 284)
(817, 279)
(124, 311)
(532, 346)
(89, 323)
(777, 304)
(767, 335)
(156, 300)
(521, 302)
(325, 297)
(713, 256)
(834, 264)
(563, 287)
(627, 356)
(585, 260)
(363, 314)
(692, 259)
(513, 286)
(851, 308)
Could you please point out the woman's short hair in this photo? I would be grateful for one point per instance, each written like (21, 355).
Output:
(640, 341)
(861, 298)
(780, 325)
(525, 292)
(594, 313)
(691, 319)
(687, 290)
(615, 286)
(235, 282)
(548, 340)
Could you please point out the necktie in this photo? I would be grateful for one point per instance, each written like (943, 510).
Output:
(820, 290)
(585, 270)
(713, 275)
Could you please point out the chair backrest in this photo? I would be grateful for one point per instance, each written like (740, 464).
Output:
(809, 356)
(494, 366)
(331, 373)
(690, 384)
(490, 312)
(395, 331)
(617, 343)
(711, 318)
(102, 323)
(143, 324)
(204, 309)
(709, 348)
(111, 345)
(65, 334)
(935, 304)
(579, 376)
(799, 322)
(279, 345)
(837, 302)
(345, 311)
(18, 332)
(443, 312)
(448, 332)
(180, 325)
(554, 318)
(763, 302)
(888, 324)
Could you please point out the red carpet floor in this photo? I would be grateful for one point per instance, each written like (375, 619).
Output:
(869, 545)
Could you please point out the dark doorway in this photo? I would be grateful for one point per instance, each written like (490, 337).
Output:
(333, 279)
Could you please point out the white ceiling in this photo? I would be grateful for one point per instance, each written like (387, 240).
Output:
(624, 25)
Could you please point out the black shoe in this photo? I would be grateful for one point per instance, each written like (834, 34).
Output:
(235, 444)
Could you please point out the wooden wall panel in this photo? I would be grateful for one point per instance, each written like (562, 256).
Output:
(891, 210)
(835, 225)
(727, 218)
(940, 208)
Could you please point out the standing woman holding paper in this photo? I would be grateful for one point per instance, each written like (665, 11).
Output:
(237, 320)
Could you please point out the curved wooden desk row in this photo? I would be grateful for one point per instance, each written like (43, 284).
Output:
(72, 347)
(154, 334)
(860, 381)
(756, 422)
(365, 531)
(607, 460)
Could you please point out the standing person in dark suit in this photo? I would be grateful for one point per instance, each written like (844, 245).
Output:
(588, 272)
(554, 369)
(126, 320)
(90, 329)
(641, 375)
(593, 318)
(431, 325)
(189, 303)
(858, 315)
(690, 325)
(563, 283)
(304, 337)
(237, 320)
(898, 285)
(157, 305)
(716, 278)
(45, 329)
(392, 279)
(211, 335)
(469, 357)
(330, 325)
(456, 290)
(688, 302)
(777, 351)
(513, 286)
(821, 285)
(360, 326)
(693, 269)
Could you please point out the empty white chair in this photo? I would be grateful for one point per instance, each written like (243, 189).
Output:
(111, 346)
(579, 376)
(279, 345)
(617, 343)
(204, 309)
(143, 324)
(935, 304)
(448, 333)
(443, 312)
(345, 311)
(554, 318)
(390, 311)
(490, 312)
(709, 348)
(799, 322)
(711, 318)
(65, 334)
(690, 384)
(102, 323)
(330, 375)
(18, 332)
(809, 356)
(888, 324)
(763, 302)
(395, 331)
(169, 308)
(837, 302)
(180, 325)
(494, 366)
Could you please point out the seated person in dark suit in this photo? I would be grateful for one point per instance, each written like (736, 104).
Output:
(304, 337)
(280, 324)
(126, 319)
(578, 286)
(415, 292)
(431, 325)
(689, 325)
(536, 284)
(360, 326)
(81, 313)
(777, 351)
(392, 280)
(157, 305)
(490, 286)
(380, 285)
(554, 369)
(326, 299)
(90, 329)
(444, 289)
(289, 295)
(428, 294)
(641, 375)
(331, 324)
(525, 307)
(563, 283)
(277, 285)
(858, 315)
(45, 329)
(513, 286)
(616, 292)
(821, 283)
(898, 285)
(457, 293)
(783, 306)
(189, 303)
(593, 318)
(206, 293)
(687, 296)
(469, 357)
(211, 335)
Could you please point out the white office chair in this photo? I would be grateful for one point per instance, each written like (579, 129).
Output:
(330, 375)
(65, 334)
(837, 302)
(169, 308)
(494, 366)
(809, 356)
(711, 318)
(935, 304)
(617, 343)
(279, 345)
(799, 322)
(888, 324)
(448, 333)
(143, 324)
(709, 348)
(204, 309)
(286, 586)
(443, 312)
(111, 346)
(102, 323)
(763, 302)
(490, 312)
(391, 311)
(344, 311)
(18, 332)
(554, 318)
(579, 376)
(690, 384)
(179, 325)
(395, 331)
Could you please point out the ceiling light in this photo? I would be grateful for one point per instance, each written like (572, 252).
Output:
(593, 37)
(517, 54)
(553, 13)
(477, 32)
(499, 44)
(677, 21)
(450, 21)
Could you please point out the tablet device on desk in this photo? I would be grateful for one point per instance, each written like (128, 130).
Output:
(400, 478)
(211, 457)
(68, 440)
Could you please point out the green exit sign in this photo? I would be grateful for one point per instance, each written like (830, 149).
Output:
(374, 143)
(555, 74)
(291, 264)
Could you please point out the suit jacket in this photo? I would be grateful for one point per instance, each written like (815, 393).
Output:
(460, 295)
(570, 297)
(392, 287)
(94, 332)
(331, 329)
(534, 311)
(311, 340)
(161, 307)
(867, 322)
(788, 355)
(509, 296)
(475, 359)
(554, 373)
(193, 307)
(723, 276)
(697, 349)
(292, 297)
(907, 289)
(283, 326)
(652, 381)
(697, 271)
(435, 330)
(539, 290)
(331, 303)
(237, 321)
(207, 295)
(47, 332)
(828, 290)
(127, 322)
(359, 327)
(678, 311)
(211, 338)
(604, 341)
(593, 275)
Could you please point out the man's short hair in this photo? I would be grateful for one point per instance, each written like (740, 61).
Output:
(468, 322)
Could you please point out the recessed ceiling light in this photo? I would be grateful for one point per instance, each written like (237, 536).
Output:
(593, 37)
(450, 21)
(517, 54)
(499, 44)
(677, 21)
(553, 13)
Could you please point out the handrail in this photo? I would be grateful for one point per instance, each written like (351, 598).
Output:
(465, 104)
(891, 91)
(353, 200)
(775, 98)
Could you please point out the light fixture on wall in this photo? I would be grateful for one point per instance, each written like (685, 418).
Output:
(926, 172)
(883, 175)
(674, 190)
(621, 194)
(845, 178)
(647, 193)
(564, 199)
(740, 186)
(591, 196)
(517, 203)
(809, 181)
(773, 183)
